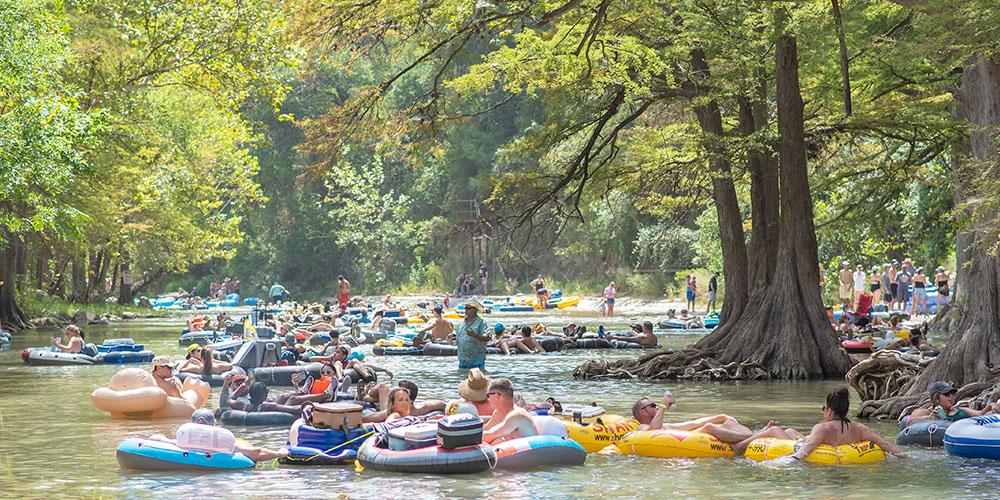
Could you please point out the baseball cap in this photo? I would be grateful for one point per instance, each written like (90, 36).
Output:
(497, 328)
(204, 415)
(163, 361)
(941, 387)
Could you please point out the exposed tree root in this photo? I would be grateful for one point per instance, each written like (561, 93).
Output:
(885, 373)
(689, 363)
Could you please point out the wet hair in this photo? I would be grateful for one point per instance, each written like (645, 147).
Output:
(839, 402)
(258, 393)
(503, 386)
(637, 407)
(438, 309)
(392, 397)
(526, 331)
(647, 326)
(410, 386)
(206, 362)
(77, 330)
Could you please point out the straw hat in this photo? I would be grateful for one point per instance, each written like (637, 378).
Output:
(473, 388)
(473, 303)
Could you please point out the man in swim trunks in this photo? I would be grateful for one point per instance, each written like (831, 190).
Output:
(727, 429)
(713, 290)
(508, 421)
(343, 291)
(163, 374)
(439, 328)
(846, 284)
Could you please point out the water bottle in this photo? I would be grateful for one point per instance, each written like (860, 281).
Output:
(672, 405)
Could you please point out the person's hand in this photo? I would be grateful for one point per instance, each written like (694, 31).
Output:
(669, 400)
(387, 372)
(788, 459)
(227, 379)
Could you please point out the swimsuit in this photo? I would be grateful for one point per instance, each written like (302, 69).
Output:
(959, 415)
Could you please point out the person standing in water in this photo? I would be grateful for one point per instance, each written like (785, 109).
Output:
(343, 291)
(713, 290)
(471, 335)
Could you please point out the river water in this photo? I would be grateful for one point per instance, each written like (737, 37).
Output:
(55, 444)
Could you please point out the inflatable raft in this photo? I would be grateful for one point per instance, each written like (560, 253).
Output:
(976, 437)
(429, 460)
(856, 453)
(929, 433)
(232, 417)
(147, 454)
(132, 392)
(665, 443)
(537, 451)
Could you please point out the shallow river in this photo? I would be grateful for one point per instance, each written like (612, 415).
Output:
(55, 444)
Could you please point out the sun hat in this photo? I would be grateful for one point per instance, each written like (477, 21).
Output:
(473, 388)
(473, 303)
(859, 267)
(198, 319)
(845, 263)
(940, 268)
(163, 361)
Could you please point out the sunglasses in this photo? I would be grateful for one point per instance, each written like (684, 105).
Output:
(488, 394)
(330, 372)
(650, 405)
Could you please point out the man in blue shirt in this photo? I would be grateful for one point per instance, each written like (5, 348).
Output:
(471, 336)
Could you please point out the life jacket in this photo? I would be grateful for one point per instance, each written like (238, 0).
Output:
(321, 385)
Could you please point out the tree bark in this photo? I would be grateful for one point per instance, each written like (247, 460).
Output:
(58, 286)
(734, 252)
(148, 279)
(42, 267)
(845, 65)
(125, 286)
(11, 315)
(93, 269)
(763, 168)
(79, 270)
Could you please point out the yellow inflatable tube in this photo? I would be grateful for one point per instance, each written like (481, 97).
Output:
(133, 392)
(596, 433)
(665, 443)
(856, 453)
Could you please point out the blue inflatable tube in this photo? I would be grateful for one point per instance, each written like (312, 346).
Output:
(515, 308)
(147, 454)
(536, 451)
(976, 437)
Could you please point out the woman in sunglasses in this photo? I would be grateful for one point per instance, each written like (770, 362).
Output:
(943, 407)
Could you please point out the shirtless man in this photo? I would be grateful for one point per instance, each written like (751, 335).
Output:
(163, 374)
(646, 337)
(439, 327)
(690, 320)
(508, 421)
(727, 429)
(343, 290)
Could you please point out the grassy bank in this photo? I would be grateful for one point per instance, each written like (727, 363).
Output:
(40, 307)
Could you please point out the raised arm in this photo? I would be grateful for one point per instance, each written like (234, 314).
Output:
(811, 443)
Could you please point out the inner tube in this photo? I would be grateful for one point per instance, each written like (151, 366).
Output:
(282, 375)
(596, 433)
(305, 455)
(976, 437)
(673, 444)
(43, 356)
(434, 349)
(928, 433)
(589, 344)
(536, 451)
(232, 417)
(856, 347)
(398, 351)
(855, 453)
(429, 460)
(551, 344)
(147, 454)
(202, 337)
(214, 380)
(621, 344)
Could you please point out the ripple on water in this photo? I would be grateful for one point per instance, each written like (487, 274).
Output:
(54, 443)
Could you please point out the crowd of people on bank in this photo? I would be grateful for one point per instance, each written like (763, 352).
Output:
(890, 283)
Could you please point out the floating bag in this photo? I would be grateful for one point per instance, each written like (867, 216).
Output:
(332, 415)
(460, 430)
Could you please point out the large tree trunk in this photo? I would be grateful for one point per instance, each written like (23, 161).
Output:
(125, 288)
(972, 356)
(783, 332)
(93, 269)
(58, 286)
(763, 169)
(734, 251)
(11, 315)
(42, 267)
(79, 267)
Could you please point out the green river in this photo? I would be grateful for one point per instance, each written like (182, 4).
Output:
(55, 444)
